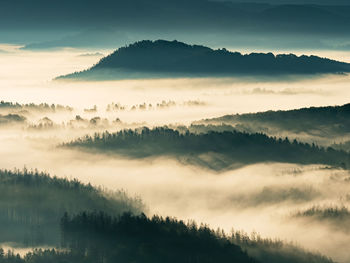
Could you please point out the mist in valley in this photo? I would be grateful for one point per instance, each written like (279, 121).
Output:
(292, 202)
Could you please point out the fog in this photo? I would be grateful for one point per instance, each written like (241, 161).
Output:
(261, 197)
(26, 77)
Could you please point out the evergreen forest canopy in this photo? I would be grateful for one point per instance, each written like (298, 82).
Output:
(216, 150)
(11, 119)
(326, 121)
(5, 105)
(32, 203)
(337, 217)
(91, 225)
(99, 237)
(158, 59)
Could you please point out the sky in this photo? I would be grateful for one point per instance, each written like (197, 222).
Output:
(318, 2)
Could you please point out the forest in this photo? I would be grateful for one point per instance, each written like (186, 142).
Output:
(161, 58)
(11, 119)
(87, 224)
(326, 126)
(99, 237)
(32, 203)
(331, 120)
(338, 217)
(345, 146)
(227, 147)
(32, 106)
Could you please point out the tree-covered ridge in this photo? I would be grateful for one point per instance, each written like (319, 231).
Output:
(325, 212)
(163, 58)
(98, 237)
(337, 216)
(329, 120)
(32, 203)
(274, 250)
(101, 237)
(129, 238)
(11, 119)
(33, 106)
(345, 146)
(228, 147)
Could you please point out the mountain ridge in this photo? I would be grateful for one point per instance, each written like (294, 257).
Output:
(162, 58)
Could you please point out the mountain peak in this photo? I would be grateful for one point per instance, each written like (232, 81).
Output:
(162, 58)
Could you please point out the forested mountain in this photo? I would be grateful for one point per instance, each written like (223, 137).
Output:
(152, 59)
(32, 203)
(99, 237)
(330, 122)
(216, 150)
(139, 239)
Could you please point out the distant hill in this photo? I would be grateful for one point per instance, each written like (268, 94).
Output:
(322, 125)
(214, 150)
(157, 59)
(329, 121)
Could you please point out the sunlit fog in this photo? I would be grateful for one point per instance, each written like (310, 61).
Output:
(271, 198)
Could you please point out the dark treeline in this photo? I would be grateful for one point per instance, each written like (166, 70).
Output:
(102, 238)
(326, 212)
(274, 251)
(40, 256)
(32, 203)
(345, 146)
(33, 106)
(331, 120)
(98, 237)
(12, 118)
(337, 216)
(163, 58)
(228, 147)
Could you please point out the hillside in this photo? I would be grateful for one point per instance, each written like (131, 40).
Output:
(32, 203)
(215, 150)
(99, 237)
(327, 122)
(159, 59)
(157, 239)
